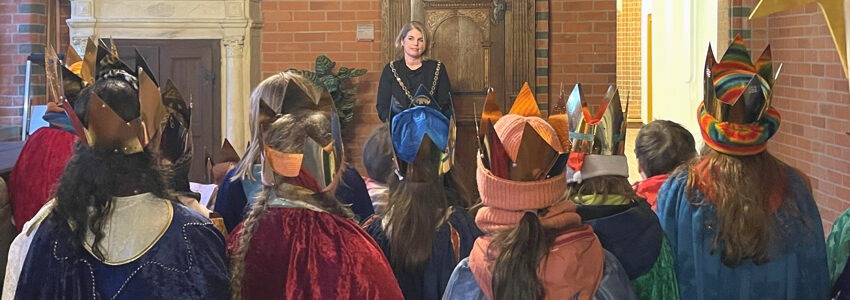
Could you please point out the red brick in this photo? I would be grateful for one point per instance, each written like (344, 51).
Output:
(269, 5)
(298, 6)
(324, 26)
(309, 16)
(341, 15)
(357, 5)
(309, 37)
(324, 5)
(277, 16)
(325, 47)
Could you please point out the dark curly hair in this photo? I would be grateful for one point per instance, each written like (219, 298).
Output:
(92, 177)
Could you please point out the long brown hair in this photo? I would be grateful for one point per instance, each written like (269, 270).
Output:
(286, 134)
(521, 251)
(415, 209)
(740, 188)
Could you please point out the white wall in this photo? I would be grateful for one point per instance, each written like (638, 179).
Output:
(681, 32)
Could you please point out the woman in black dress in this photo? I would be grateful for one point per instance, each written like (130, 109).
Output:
(402, 77)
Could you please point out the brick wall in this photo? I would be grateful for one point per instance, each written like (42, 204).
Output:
(583, 36)
(815, 103)
(812, 96)
(296, 31)
(541, 55)
(581, 47)
(581, 43)
(628, 56)
(23, 26)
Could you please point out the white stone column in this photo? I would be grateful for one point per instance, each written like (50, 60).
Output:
(235, 114)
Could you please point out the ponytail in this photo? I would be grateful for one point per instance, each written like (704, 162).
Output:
(522, 249)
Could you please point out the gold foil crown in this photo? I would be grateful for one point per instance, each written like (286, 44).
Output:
(737, 89)
(313, 141)
(601, 132)
(536, 158)
(105, 130)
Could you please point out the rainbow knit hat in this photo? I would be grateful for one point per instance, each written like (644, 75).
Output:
(736, 117)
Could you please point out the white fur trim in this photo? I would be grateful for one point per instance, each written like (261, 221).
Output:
(599, 165)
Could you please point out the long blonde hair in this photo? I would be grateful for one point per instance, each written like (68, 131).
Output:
(271, 91)
(279, 136)
(399, 51)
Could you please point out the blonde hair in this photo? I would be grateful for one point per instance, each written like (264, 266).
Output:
(279, 136)
(403, 33)
(271, 91)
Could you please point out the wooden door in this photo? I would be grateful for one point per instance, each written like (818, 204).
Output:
(483, 44)
(193, 66)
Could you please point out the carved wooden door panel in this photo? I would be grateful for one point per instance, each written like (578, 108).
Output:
(471, 38)
(193, 67)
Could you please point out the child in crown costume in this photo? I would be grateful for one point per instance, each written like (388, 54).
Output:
(535, 245)
(114, 230)
(426, 228)
(597, 173)
(298, 241)
(742, 224)
(46, 151)
(238, 190)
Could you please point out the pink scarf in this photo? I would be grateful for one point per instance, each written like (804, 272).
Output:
(574, 263)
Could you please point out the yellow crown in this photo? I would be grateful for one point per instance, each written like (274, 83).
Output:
(315, 144)
(106, 130)
(736, 89)
(536, 158)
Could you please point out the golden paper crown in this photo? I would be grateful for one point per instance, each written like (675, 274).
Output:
(106, 130)
(536, 158)
(317, 141)
(736, 89)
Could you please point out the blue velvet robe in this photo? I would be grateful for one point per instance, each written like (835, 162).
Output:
(797, 267)
(235, 198)
(188, 262)
(431, 283)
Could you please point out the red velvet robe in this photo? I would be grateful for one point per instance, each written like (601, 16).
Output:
(299, 253)
(42, 161)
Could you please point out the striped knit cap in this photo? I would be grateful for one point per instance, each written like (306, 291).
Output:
(736, 117)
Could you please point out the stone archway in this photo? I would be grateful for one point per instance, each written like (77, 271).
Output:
(236, 23)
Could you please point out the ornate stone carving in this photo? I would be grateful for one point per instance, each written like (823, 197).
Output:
(237, 23)
(233, 46)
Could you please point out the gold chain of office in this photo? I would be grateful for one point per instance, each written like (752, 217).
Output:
(404, 87)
